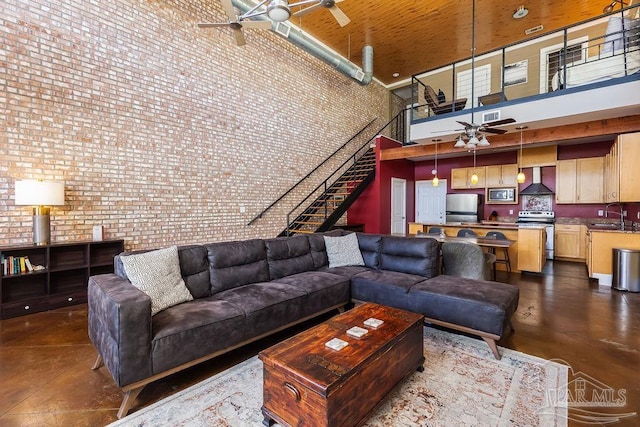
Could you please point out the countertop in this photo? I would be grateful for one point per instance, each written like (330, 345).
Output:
(484, 224)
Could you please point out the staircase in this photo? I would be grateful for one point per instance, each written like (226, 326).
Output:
(329, 201)
(335, 199)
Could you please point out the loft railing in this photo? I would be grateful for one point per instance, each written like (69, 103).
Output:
(591, 51)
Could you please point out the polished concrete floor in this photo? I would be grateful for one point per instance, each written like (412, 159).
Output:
(46, 358)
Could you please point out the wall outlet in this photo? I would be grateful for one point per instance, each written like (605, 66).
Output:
(243, 209)
(510, 211)
(600, 212)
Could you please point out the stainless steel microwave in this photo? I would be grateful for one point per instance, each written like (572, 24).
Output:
(501, 195)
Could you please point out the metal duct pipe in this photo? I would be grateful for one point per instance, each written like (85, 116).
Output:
(321, 52)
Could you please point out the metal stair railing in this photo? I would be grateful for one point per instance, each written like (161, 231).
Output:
(320, 195)
(324, 162)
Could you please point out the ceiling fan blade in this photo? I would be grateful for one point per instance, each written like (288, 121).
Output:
(491, 130)
(339, 15)
(447, 130)
(229, 9)
(465, 124)
(213, 24)
(240, 40)
(499, 122)
(308, 9)
(256, 24)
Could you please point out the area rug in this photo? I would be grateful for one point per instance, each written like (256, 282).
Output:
(462, 385)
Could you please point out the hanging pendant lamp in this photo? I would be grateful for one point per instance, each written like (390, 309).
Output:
(435, 180)
(520, 178)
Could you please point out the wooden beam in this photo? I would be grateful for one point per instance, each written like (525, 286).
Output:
(555, 134)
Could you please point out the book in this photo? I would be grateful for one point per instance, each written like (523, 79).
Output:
(23, 267)
(27, 263)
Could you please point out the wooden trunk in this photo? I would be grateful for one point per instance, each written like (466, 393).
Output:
(308, 384)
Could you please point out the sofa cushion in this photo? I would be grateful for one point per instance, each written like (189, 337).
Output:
(323, 289)
(233, 264)
(411, 255)
(267, 305)
(383, 287)
(370, 248)
(343, 250)
(194, 266)
(157, 274)
(318, 249)
(347, 271)
(194, 329)
(476, 304)
(288, 255)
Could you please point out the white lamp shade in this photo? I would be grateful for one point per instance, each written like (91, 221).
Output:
(31, 192)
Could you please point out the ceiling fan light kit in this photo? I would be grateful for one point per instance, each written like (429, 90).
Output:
(278, 10)
(520, 13)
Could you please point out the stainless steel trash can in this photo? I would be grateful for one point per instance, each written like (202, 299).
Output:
(626, 269)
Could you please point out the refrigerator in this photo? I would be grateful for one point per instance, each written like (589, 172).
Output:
(463, 207)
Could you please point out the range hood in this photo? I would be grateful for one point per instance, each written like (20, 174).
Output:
(537, 188)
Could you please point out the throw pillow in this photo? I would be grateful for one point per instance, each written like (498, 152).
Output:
(441, 97)
(343, 250)
(157, 274)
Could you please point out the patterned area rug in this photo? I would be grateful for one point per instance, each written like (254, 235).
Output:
(462, 385)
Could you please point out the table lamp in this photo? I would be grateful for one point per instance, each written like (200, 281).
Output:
(41, 195)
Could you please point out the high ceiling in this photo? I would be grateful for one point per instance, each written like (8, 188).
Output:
(411, 36)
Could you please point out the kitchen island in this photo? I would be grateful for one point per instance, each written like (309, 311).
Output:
(527, 254)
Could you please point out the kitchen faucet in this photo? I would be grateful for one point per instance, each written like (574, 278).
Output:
(621, 213)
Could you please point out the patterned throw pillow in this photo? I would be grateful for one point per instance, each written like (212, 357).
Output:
(343, 250)
(157, 274)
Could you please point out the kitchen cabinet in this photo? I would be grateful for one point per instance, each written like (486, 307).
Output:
(461, 178)
(502, 176)
(531, 253)
(538, 156)
(622, 181)
(580, 180)
(600, 254)
(570, 241)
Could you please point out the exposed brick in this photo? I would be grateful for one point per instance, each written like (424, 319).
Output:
(162, 130)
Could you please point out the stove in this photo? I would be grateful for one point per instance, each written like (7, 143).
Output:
(536, 219)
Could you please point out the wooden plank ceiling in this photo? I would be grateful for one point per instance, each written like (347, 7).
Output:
(411, 36)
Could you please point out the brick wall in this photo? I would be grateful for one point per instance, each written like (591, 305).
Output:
(162, 131)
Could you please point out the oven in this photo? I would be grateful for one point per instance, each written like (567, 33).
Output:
(540, 218)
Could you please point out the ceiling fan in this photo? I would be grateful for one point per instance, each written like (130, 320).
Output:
(237, 21)
(337, 13)
(475, 133)
(276, 10)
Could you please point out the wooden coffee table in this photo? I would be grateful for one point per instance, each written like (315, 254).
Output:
(308, 384)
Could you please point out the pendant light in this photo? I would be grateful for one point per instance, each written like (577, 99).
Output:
(435, 180)
(520, 178)
(474, 177)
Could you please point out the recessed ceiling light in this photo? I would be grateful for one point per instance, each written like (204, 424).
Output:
(521, 12)
(396, 74)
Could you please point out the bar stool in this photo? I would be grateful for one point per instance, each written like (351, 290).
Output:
(435, 230)
(465, 232)
(505, 260)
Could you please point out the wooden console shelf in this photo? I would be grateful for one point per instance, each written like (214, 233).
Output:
(62, 282)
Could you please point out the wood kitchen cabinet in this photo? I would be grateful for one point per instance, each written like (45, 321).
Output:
(531, 249)
(538, 156)
(461, 178)
(600, 251)
(622, 180)
(570, 241)
(580, 180)
(502, 176)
